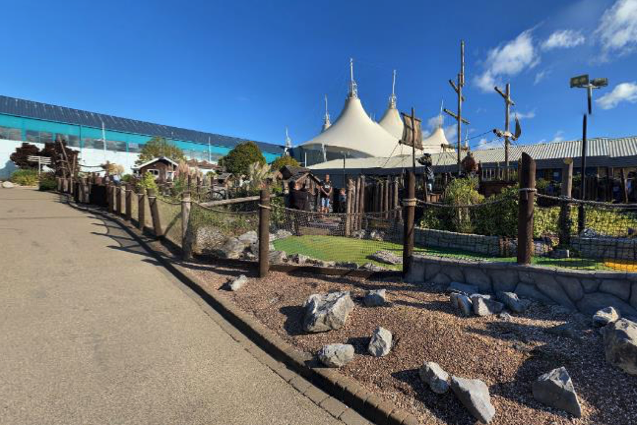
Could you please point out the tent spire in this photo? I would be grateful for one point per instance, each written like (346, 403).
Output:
(353, 89)
(392, 98)
(288, 140)
(326, 118)
(441, 117)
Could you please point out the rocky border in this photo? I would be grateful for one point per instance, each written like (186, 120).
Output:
(341, 388)
(577, 290)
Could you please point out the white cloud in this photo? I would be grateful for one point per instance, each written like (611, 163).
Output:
(558, 137)
(508, 59)
(488, 144)
(540, 76)
(451, 131)
(624, 92)
(523, 115)
(617, 30)
(563, 39)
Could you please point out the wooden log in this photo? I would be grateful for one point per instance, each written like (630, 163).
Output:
(362, 203)
(386, 197)
(624, 185)
(525, 210)
(129, 201)
(348, 207)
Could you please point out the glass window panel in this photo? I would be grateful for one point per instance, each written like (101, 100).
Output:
(113, 145)
(33, 136)
(93, 143)
(134, 147)
(46, 137)
(9, 133)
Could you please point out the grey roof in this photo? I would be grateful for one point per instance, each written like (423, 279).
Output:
(620, 152)
(43, 111)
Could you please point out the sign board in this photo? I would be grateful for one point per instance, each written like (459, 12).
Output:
(412, 132)
(41, 160)
(579, 81)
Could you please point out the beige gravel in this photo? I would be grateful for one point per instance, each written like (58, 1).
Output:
(507, 355)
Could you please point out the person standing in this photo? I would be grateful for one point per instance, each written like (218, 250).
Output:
(298, 198)
(326, 194)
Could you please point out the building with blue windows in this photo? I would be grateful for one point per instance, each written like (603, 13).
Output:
(100, 137)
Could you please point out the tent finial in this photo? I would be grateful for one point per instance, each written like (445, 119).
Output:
(392, 98)
(326, 118)
(353, 89)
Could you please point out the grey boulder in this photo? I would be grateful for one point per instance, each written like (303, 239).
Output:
(474, 396)
(555, 389)
(380, 344)
(231, 249)
(326, 312)
(462, 303)
(7, 185)
(606, 316)
(483, 306)
(513, 302)
(249, 237)
(277, 257)
(238, 283)
(620, 345)
(463, 288)
(375, 298)
(387, 257)
(336, 355)
(433, 375)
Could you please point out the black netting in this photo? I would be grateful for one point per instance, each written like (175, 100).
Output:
(229, 232)
(484, 231)
(603, 238)
(371, 241)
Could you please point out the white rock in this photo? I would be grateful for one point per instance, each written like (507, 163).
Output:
(433, 375)
(483, 306)
(336, 355)
(380, 344)
(7, 185)
(606, 316)
(474, 395)
(325, 312)
(238, 283)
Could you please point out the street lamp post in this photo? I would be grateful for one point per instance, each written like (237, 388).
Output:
(583, 82)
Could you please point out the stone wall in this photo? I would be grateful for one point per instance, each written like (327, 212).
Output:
(605, 247)
(488, 245)
(585, 291)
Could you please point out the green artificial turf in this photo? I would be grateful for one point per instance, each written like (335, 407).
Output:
(339, 248)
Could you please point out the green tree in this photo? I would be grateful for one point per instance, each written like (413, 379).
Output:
(156, 147)
(241, 157)
(282, 161)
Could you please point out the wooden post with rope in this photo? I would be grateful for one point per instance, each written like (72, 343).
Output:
(185, 218)
(154, 212)
(506, 95)
(264, 232)
(458, 116)
(129, 202)
(409, 205)
(525, 209)
(566, 189)
(141, 209)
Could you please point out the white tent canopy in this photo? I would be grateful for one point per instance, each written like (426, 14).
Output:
(355, 132)
(436, 142)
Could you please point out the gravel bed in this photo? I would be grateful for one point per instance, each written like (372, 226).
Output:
(507, 355)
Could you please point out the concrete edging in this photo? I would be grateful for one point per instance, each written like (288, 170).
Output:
(340, 387)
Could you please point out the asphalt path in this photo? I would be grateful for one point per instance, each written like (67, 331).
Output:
(94, 331)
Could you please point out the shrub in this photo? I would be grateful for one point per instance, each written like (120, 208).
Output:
(25, 177)
(147, 182)
(47, 182)
(282, 161)
(239, 159)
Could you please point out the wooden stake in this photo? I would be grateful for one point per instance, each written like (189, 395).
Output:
(409, 205)
(264, 232)
(525, 211)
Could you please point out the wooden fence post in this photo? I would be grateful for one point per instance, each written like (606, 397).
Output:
(185, 218)
(141, 209)
(86, 185)
(349, 207)
(567, 186)
(525, 211)
(409, 205)
(109, 197)
(129, 202)
(154, 212)
(59, 181)
(264, 233)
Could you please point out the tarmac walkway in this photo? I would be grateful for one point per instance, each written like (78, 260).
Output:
(94, 331)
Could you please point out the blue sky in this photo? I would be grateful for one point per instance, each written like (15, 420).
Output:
(251, 68)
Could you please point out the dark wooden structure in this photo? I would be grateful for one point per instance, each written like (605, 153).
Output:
(163, 168)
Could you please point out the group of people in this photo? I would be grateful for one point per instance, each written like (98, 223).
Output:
(300, 197)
